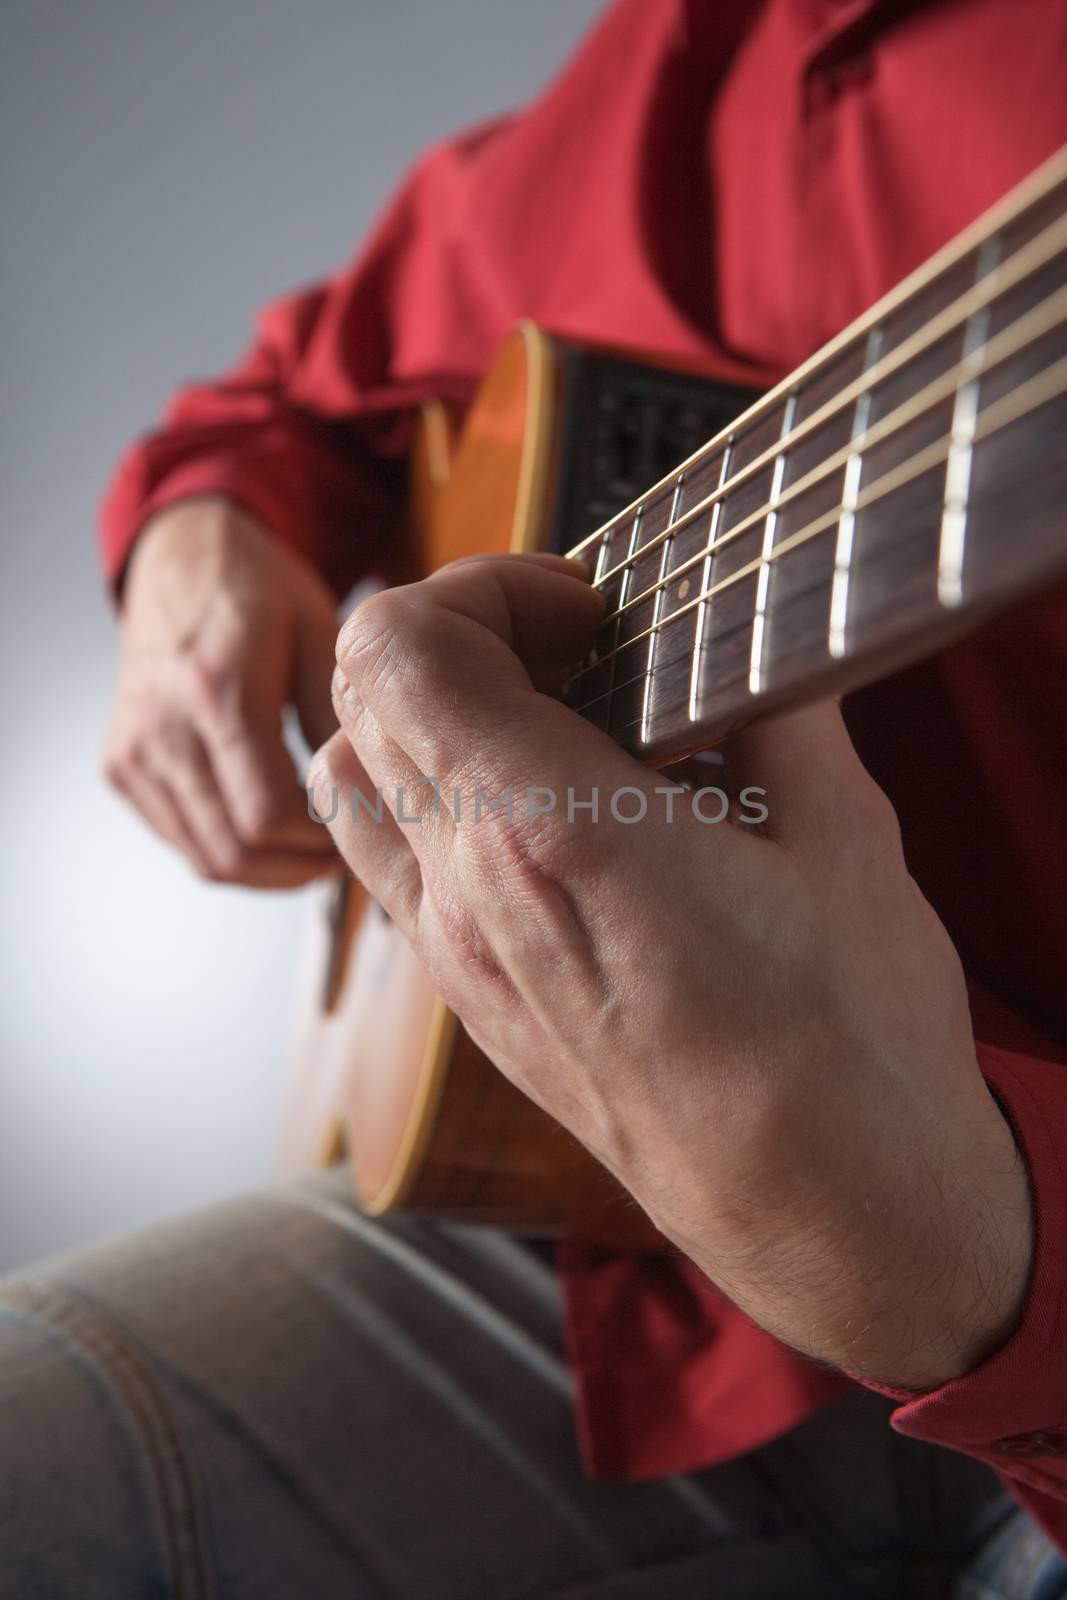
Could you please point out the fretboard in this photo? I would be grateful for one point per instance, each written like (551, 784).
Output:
(908, 479)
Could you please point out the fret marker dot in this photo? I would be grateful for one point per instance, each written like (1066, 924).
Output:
(683, 588)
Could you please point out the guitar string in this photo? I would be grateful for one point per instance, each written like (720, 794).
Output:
(1044, 318)
(1005, 215)
(1022, 330)
(1036, 392)
(933, 455)
(995, 285)
(1048, 314)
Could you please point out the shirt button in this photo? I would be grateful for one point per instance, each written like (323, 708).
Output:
(1041, 1442)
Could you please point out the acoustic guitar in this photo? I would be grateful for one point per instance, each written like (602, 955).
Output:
(894, 491)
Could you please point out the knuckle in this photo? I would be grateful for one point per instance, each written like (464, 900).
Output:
(348, 706)
(215, 688)
(527, 866)
(528, 852)
(468, 949)
(372, 640)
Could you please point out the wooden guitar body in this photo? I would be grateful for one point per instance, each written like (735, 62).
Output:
(388, 1076)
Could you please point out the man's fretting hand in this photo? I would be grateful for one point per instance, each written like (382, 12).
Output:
(763, 1032)
(221, 629)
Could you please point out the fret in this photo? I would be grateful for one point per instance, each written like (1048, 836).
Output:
(591, 692)
(601, 560)
(705, 583)
(644, 566)
(740, 518)
(657, 607)
(623, 591)
(846, 527)
(755, 665)
(894, 541)
(958, 466)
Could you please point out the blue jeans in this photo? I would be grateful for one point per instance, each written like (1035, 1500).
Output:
(280, 1400)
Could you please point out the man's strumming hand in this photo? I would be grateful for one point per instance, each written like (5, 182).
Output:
(221, 629)
(762, 1031)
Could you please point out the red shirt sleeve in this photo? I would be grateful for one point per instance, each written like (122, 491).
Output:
(307, 430)
(303, 429)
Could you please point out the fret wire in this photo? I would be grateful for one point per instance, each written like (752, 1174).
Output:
(657, 605)
(763, 582)
(1025, 330)
(601, 561)
(847, 526)
(1047, 385)
(1025, 197)
(1041, 249)
(958, 469)
(612, 654)
(705, 578)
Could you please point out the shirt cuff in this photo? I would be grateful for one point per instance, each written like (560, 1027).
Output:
(128, 510)
(1011, 1411)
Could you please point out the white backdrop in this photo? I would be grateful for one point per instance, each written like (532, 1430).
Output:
(166, 168)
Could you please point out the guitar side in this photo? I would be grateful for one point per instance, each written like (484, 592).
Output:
(388, 1076)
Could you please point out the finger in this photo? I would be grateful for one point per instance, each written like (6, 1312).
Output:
(445, 668)
(181, 766)
(407, 791)
(155, 805)
(365, 832)
(815, 784)
(258, 785)
(266, 869)
(180, 773)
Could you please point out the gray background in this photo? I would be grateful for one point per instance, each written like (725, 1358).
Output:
(165, 169)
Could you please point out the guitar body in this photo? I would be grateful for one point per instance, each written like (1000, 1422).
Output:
(558, 438)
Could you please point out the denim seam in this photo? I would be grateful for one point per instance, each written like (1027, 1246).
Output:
(170, 1472)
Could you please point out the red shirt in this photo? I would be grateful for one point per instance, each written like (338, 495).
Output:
(724, 181)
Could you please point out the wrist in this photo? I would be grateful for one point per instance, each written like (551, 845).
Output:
(911, 1292)
(192, 540)
(194, 518)
(966, 1296)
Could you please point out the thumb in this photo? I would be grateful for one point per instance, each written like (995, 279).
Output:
(809, 770)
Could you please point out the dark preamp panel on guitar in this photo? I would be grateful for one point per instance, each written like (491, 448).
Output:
(624, 424)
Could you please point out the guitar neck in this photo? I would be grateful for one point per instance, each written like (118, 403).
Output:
(907, 480)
